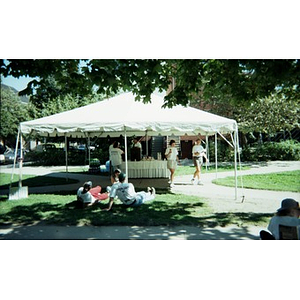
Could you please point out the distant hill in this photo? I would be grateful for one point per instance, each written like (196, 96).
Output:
(22, 98)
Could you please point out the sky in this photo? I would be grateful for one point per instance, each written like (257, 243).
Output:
(18, 83)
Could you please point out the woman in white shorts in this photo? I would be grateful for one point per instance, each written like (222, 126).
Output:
(198, 153)
(172, 158)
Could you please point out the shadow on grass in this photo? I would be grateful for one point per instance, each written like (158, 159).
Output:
(40, 181)
(156, 213)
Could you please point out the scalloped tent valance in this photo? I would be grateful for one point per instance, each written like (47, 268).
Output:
(122, 113)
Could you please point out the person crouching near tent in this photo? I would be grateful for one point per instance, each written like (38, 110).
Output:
(171, 154)
(127, 194)
(88, 195)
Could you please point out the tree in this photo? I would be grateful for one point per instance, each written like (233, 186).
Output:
(60, 104)
(13, 111)
(235, 80)
(269, 115)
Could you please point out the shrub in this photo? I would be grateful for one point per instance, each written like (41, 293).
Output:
(284, 150)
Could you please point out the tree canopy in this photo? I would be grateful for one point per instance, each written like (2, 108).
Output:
(12, 112)
(261, 94)
(235, 80)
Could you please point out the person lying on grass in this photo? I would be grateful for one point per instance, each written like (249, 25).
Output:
(127, 194)
(88, 196)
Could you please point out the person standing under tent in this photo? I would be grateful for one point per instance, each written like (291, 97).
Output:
(136, 143)
(116, 156)
(136, 150)
(171, 154)
(198, 152)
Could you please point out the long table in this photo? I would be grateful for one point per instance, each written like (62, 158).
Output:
(146, 169)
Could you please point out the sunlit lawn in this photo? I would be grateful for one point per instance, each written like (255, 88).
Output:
(284, 181)
(167, 208)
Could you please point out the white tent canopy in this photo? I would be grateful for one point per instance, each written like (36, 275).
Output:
(122, 115)
(115, 115)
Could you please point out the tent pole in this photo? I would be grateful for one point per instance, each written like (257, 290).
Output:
(240, 165)
(20, 161)
(66, 152)
(146, 138)
(206, 148)
(15, 158)
(235, 162)
(89, 148)
(216, 154)
(126, 160)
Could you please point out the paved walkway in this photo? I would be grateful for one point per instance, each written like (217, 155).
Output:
(221, 199)
(52, 232)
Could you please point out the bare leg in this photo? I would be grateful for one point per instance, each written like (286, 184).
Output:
(172, 175)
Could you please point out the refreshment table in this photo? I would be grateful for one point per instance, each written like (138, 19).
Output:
(146, 169)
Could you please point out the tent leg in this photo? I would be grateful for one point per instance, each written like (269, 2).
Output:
(216, 154)
(15, 158)
(89, 148)
(126, 159)
(20, 161)
(207, 152)
(240, 165)
(19, 192)
(235, 162)
(146, 138)
(66, 157)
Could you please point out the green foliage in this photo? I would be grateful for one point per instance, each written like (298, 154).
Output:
(268, 115)
(13, 111)
(284, 150)
(39, 109)
(100, 153)
(234, 80)
(224, 151)
(95, 162)
(53, 157)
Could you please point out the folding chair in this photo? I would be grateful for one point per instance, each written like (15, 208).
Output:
(288, 232)
(265, 235)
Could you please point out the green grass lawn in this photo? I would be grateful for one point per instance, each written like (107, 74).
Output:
(181, 170)
(166, 210)
(189, 170)
(284, 181)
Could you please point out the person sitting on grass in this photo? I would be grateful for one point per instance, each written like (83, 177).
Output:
(88, 196)
(115, 176)
(127, 194)
(287, 215)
